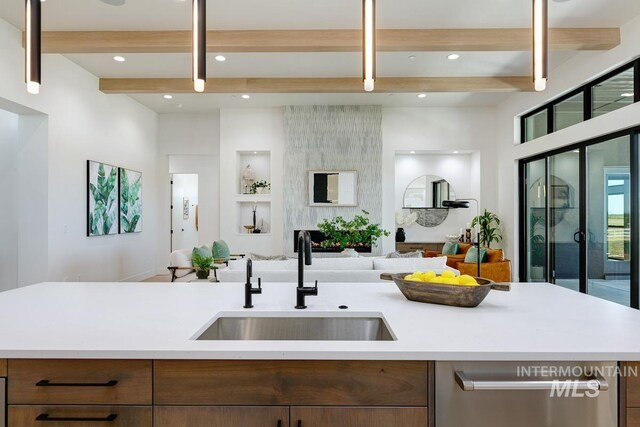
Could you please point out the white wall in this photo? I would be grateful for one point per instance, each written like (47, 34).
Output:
(435, 130)
(455, 169)
(583, 67)
(10, 212)
(190, 143)
(251, 129)
(85, 124)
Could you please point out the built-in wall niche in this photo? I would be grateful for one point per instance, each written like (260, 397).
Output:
(245, 221)
(253, 167)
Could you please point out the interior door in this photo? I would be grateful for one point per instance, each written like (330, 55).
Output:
(566, 236)
(184, 211)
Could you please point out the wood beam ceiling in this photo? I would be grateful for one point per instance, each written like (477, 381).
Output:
(424, 40)
(319, 85)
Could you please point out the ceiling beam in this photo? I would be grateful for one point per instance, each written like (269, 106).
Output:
(436, 40)
(319, 85)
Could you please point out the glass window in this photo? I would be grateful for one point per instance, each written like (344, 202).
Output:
(536, 221)
(535, 126)
(613, 93)
(568, 112)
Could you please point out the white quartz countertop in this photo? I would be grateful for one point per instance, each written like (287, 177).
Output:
(533, 322)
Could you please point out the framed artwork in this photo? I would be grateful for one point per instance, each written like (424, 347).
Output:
(102, 199)
(130, 201)
(185, 208)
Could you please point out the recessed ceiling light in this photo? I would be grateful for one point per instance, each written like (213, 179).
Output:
(453, 56)
(245, 96)
(412, 57)
(627, 95)
(119, 58)
(412, 152)
(422, 95)
(455, 152)
(220, 58)
(255, 152)
(168, 96)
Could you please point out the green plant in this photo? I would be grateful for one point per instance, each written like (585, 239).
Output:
(489, 228)
(202, 259)
(130, 204)
(537, 241)
(359, 232)
(104, 194)
(260, 184)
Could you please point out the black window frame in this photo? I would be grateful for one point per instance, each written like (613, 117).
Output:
(587, 91)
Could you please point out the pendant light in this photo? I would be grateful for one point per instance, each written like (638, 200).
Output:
(199, 44)
(540, 44)
(368, 44)
(32, 46)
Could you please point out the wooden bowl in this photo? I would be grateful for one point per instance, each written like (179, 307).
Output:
(438, 293)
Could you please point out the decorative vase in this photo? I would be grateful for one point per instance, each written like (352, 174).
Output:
(259, 190)
(350, 253)
(400, 236)
(203, 274)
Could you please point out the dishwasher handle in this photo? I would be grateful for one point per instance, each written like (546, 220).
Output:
(467, 383)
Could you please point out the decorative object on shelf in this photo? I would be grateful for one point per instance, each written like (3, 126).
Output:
(452, 237)
(185, 208)
(489, 224)
(343, 234)
(261, 187)
(202, 259)
(256, 230)
(467, 235)
(102, 195)
(248, 178)
(249, 228)
(130, 201)
(403, 221)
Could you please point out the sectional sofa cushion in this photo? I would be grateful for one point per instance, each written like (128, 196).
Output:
(258, 257)
(241, 264)
(450, 248)
(410, 264)
(221, 250)
(181, 258)
(396, 254)
(341, 264)
(472, 255)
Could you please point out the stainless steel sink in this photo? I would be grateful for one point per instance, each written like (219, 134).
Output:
(279, 328)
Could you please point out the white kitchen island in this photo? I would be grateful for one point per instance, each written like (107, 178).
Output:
(533, 322)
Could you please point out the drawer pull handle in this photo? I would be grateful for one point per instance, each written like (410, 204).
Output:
(279, 423)
(45, 417)
(47, 383)
(299, 423)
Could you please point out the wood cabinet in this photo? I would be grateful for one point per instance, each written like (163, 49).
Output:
(79, 416)
(3, 367)
(633, 417)
(388, 383)
(404, 247)
(80, 382)
(221, 416)
(358, 417)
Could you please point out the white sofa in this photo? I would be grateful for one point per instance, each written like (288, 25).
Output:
(327, 270)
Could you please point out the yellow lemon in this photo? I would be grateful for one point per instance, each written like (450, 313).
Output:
(437, 279)
(448, 274)
(429, 275)
(408, 277)
(465, 279)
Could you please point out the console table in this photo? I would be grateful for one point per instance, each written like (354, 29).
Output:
(419, 246)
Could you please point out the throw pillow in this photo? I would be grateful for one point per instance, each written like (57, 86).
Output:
(450, 248)
(258, 257)
(202, 251)
(221, 250)
(472, 256)
(396, 254)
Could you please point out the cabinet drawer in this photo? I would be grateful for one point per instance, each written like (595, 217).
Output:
(349, 383)
(633, 417)
(221, 416)
(80, 382)
(633, 387)
(80, 416)
(3, 367)
(359, 417)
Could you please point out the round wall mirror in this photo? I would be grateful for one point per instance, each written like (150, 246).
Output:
(425, 195)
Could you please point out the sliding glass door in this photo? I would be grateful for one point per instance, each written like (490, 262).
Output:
(578, 219)
(608, 202)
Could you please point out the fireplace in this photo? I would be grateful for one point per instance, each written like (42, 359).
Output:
(317, 237)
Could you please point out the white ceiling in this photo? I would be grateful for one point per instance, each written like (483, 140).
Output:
(317, 14)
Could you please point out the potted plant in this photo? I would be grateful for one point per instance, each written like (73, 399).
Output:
(403, 221)
(537, 247)
(202, 259)
(260, 187)
(351, 235)
(489, 228)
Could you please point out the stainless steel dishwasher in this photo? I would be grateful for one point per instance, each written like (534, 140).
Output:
(544, 394)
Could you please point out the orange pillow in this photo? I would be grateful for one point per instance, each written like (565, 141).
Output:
(495, 255)
(463, 248)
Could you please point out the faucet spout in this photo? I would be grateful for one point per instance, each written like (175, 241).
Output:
(304, 258)
(249, 290)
